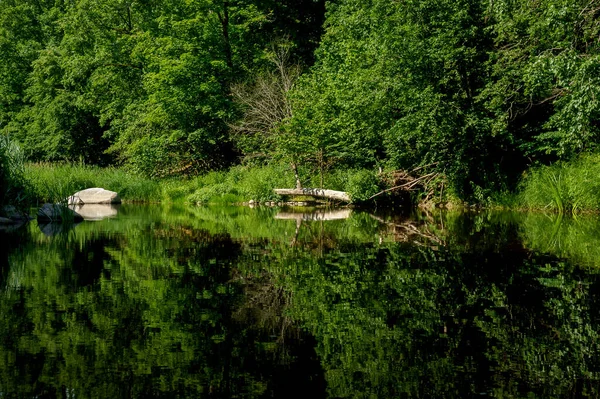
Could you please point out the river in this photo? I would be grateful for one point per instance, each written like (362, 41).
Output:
(189, 302)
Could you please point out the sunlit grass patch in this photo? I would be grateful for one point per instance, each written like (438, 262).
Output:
(564, 187)
(240, 184)
(54, 182)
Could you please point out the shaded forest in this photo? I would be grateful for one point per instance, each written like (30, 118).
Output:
(482, 90)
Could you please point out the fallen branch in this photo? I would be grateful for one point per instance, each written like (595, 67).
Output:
(314, 192)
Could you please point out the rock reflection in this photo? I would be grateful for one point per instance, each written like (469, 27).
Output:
(53, 229)
(10, 227)
(94, 212)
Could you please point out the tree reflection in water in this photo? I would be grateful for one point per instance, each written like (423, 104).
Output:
(192, 302)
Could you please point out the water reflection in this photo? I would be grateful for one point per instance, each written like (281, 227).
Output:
(96, 211)
(11, 227)
(193, 302)
(315, 215)
(575, 238)
(56, 228)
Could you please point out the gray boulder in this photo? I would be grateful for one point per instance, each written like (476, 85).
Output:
(57, 213)
(94, 195)
(5, 221)
(13, 214)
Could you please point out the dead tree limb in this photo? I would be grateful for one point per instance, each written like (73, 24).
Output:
(407, 186)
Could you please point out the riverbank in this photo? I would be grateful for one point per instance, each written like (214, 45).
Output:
(51, 182)
(47, 182)
(562, 188)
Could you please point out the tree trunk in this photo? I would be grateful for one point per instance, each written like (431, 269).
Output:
(295, 169)
(224, 18)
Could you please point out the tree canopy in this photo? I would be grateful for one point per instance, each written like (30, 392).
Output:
(482, 89)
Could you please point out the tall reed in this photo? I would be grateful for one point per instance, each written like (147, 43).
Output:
(55, 182)
(564, 187)
(12, 181)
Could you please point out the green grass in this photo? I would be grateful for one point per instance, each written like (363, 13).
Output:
(565, 187)
(55, 182)
(239, 184)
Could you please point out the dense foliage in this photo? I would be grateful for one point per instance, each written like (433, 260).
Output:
(482, 89)
(146, 82)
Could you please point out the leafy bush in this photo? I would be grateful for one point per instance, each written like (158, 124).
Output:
(362, 184)
(242, 184)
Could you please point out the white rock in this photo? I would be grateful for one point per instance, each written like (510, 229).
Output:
(94, 196)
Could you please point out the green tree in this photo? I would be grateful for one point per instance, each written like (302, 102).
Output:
(396, 84)
(146, 83)
(544, 84)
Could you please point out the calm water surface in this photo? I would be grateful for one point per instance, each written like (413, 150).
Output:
(238, 302)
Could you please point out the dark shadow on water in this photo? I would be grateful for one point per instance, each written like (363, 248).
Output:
(9, 228)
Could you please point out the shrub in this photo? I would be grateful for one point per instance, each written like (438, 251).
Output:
(362, 184)
(242, 184)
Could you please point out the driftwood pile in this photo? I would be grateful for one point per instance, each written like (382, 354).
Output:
(408, 231)
(402, 180)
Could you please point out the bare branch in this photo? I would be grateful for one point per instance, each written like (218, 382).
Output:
(266, 102)
(407, 186)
